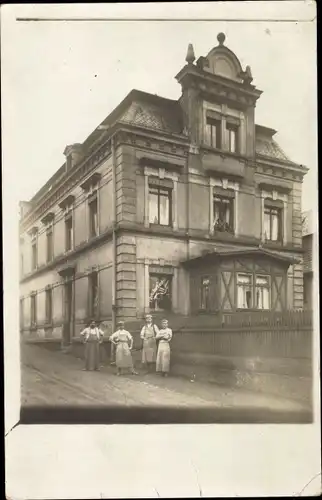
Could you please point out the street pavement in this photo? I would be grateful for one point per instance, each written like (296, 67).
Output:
(51, 380)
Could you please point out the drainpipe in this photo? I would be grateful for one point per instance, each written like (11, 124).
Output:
(113, 235)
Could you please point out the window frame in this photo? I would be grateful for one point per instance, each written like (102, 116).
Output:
(161, 276)
(93, 199)
(214, 123)
(269, 207)
(169, 191)
(231, 202)
(49, 305)
(49, 248)
(253, 288)
(34, 254)
(230, 127)
(33, 309)
(201, 290)
(268, 288)
(93, 309)
(69, 220)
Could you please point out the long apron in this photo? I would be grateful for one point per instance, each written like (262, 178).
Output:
(92, 353)
(123, 355)
(149, 346)
(163, 357)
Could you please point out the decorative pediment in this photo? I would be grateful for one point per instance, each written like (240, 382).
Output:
(33, 231)
(91, 181)
(160, 161)
(49, 217)
(281, 185)
(68, 270)
(69, 200)
(223, 62)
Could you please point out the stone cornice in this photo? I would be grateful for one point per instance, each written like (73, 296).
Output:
(125, 134)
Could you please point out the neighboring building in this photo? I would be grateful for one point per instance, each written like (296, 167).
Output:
(307, 242)
(184, 206)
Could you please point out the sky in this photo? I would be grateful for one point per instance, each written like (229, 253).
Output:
(61, 79)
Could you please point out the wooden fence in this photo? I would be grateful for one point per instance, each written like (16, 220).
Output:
(249, 334)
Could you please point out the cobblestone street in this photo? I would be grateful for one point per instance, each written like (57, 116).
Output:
(51, 378)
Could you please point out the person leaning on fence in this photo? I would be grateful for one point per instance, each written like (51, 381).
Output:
(149, 348)
(163, 357)
(92, 337)
(123, 341)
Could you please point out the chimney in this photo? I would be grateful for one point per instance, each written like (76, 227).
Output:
(74, 154)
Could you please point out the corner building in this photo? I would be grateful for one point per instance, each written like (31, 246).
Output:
(175, 207)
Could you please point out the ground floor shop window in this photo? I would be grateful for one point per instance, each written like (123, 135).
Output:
(160, 292)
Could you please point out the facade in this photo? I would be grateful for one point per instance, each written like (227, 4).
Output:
(175, 207)
(308, 235)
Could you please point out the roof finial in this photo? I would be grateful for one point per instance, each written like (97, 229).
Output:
(190, 57)
(221, 38)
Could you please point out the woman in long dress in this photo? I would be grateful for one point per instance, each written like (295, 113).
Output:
(163, 357)
(92, 338)
(149, 349)
(123, 341)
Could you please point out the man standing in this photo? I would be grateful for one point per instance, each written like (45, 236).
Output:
(148, 334)
(92, 337)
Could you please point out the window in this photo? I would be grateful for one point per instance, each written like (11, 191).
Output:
(232, 131)
(223, 213)
(21, 313)
(214, 133)
(160, 200)
(93, 295)
(244, 291)
(49, 305)
(262, 292)
(247, 298)
(93, 216)
(50, 249)
(69, 237)
(204, 293)
(34, 255)
(21, 264)
(33, 309)
(272, 222)
(160, 292)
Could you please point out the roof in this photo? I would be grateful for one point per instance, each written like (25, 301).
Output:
(224, 252)
(160, 114)
(137, 108)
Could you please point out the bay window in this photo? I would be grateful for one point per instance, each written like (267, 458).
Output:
(253, 291)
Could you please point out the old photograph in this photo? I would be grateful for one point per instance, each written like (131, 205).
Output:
(166, 226)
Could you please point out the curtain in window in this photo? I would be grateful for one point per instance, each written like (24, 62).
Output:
(244, 292)
(275, 222)
(164, 208)
(153, 206)
(267, 225)
(262, 292)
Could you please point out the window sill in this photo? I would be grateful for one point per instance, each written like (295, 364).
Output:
(253, 309)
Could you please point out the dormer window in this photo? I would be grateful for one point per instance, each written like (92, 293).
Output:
(232, 138)
(232, 128)
(214, 132)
